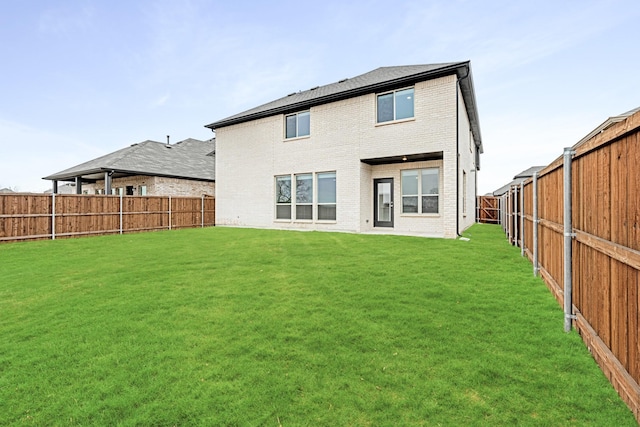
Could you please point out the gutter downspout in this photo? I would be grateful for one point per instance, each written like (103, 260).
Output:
(458, 152)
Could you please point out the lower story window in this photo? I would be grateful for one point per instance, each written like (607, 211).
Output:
(420, 191)
(314, 197)
(304, 196)
(283, 197)
(327, 196)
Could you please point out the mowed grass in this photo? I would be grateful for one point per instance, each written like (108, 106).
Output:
(241, 327)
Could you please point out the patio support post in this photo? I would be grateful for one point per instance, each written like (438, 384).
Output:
(568, 240)
(78, 185)
(107, 183)
(55, 186)
(535, 224)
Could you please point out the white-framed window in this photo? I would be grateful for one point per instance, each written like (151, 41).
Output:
(142, 190)
(326, 196)
(283, 197)
(304, 196)
(421, 190)
(314, 197)
(298, 124)
(395, 105)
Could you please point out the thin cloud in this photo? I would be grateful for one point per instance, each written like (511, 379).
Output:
(66, 20)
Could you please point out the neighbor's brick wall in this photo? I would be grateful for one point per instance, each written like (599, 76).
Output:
(249, 155)
(183, 187)
(157, 186)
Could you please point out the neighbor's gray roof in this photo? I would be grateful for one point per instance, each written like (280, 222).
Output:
(191, 158)
(382, 78)
(528, 173)
(521, 177)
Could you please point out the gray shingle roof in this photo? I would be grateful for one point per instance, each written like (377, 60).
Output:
(383, 78)
(521, 177)
(191, 158)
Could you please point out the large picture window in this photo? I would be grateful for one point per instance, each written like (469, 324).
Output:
(396, 105)
(297, 125)
(312, 197)
(283, 197)
(420, 191)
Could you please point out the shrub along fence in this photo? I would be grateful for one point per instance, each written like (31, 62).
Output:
(578, 221)
(52, 216)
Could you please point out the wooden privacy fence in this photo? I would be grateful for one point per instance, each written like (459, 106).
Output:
(488, 209)
(52, 216)
(585, 243)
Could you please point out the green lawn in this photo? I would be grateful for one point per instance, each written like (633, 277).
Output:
(241, 327)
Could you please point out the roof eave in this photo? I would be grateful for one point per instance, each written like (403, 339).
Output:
(427, 75)
(70, 177)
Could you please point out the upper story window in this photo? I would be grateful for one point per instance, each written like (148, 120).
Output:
(396, 105)
(297, 125)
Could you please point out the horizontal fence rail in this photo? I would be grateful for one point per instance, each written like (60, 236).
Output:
(52, 216)
(590, 257)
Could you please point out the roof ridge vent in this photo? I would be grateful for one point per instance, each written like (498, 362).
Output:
(343, 80)
(292, 93)
(314, 88)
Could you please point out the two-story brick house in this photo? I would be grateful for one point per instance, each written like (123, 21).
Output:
(395, 150)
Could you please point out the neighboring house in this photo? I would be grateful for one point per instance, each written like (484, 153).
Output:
(65, 189)
(186, 168)
(521, 177)
(6, 190)
(394, 150)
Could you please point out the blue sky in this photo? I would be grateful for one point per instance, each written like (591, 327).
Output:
(84, 78)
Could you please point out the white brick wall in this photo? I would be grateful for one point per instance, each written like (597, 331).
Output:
(249, 155)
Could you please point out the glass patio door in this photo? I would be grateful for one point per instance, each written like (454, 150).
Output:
(383, 202)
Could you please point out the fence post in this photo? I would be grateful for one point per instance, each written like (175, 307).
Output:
(514, 222)
(568, 237)
(503, 212)
(522, 218)
(202, 213)
(169, 212)
(53, 216)
(120, 213)
(535, 224)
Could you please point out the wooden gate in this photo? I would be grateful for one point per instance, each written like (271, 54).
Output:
(488, 210)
